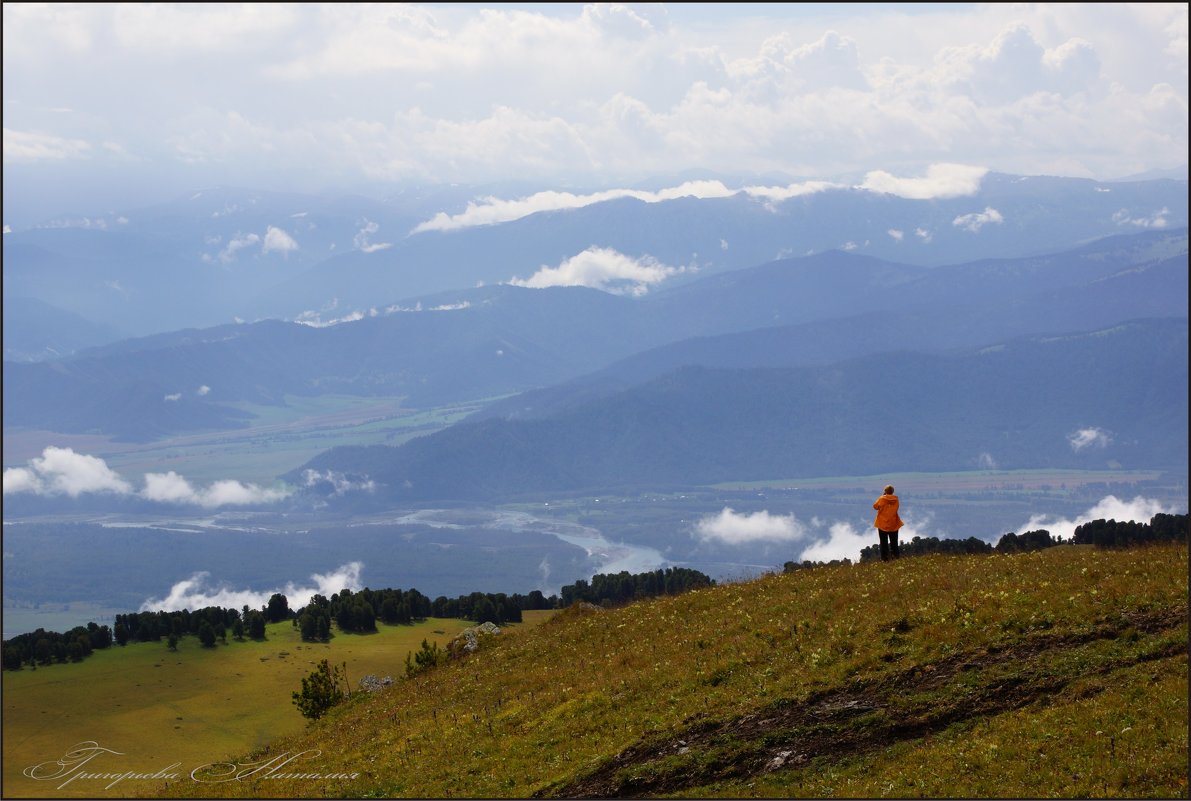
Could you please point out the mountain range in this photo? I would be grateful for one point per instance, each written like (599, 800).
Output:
(572, 341)
(503, 339)
(1085, 400)
(226, 254)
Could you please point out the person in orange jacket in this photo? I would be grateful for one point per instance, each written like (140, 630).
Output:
(887, 523)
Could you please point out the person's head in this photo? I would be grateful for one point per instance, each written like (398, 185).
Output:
(889, 490)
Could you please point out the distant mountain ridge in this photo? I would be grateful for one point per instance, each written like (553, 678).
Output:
(218, 255)
(1020, 404)
(498, 340)
(934, 313)
(35, 331)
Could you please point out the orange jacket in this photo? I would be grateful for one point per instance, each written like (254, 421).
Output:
(887, 519)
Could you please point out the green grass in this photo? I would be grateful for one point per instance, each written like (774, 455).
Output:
(193, 706)
(1041, 674)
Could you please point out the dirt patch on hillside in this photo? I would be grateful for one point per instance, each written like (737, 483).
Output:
(866, 716)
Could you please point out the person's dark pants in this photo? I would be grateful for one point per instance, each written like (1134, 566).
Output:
(888, 545)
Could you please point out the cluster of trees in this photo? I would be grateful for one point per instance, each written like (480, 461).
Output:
(1029, 541)
(497, 608)
(349, 611)
(1117, 534)
(920, 546)
(208, 624)
(608, 589)
(43, 647)
(359, 611)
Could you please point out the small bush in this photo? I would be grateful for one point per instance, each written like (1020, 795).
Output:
(321, 690)
(429, 656)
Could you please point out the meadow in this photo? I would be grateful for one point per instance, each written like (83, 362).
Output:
(195, 706)
(1056, 673)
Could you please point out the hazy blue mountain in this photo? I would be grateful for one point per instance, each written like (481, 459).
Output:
(1019, 404)
(1117, 279)
(495, 341)
(1011, 216)
(500, 340)
(34, 330)
(221, 254)
(192, 261)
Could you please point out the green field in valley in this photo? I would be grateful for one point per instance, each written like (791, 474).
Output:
(279, 438)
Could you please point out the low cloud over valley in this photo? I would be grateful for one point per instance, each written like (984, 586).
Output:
(62, 471)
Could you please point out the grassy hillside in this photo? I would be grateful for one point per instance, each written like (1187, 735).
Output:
(194, 706)
(1055, 673)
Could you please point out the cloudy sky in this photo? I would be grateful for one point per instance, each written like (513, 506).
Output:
(117, 103)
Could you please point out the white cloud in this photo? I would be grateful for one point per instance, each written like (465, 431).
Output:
(361, 241)
(1139, 509)
(237, 243)
(975, 221)
(197, 592)
(843, 542)
(61, 471)
(603, 268)
(277, 240)
(596, 96)
(22, 479)
(940, 181)
(780, 193)
(198, 27)
(174, 396)
(314, 319)
(985, 461)
(1092, 437)
(397, 308)
(173, 488)
(203, 390)
(340, 484)
(24, 147)
(229, 492)
(492, 210)
(896, 235)
(1014, 65)
(168, 488)
(1156, 220)
(733, 528)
